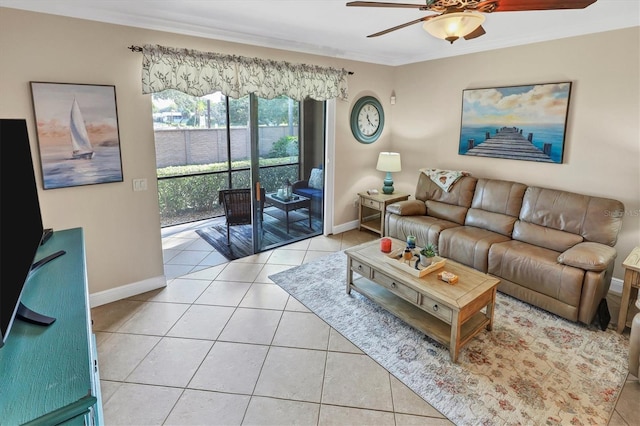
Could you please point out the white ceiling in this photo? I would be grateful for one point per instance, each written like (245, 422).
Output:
(330, 28)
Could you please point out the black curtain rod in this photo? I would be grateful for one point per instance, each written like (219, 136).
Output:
(139, 49)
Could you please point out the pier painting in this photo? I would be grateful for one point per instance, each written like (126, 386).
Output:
(517, 122)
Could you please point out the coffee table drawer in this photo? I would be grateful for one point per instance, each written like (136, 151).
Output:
(436, 309)
(395, 287)
(361, 268)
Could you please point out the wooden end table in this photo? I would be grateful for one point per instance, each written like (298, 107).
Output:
(630, 286)
(449, 314)
(376, 204)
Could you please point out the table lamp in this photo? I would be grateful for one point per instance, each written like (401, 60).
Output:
(388, 162)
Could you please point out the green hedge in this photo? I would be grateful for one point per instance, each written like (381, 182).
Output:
(199, 193)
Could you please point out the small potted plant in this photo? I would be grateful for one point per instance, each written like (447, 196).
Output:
(427, 253)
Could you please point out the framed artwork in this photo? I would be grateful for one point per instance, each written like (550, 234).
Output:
(78, 136)
(515, 122)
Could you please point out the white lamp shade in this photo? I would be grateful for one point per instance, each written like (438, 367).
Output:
(389, 162)
(451, 26)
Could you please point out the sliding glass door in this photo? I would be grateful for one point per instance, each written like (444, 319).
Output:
(207, 144)
(283, 212)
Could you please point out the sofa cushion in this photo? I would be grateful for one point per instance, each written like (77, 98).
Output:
(496, 222)
(603, 220)
(468, 245)
(595, 219)
(449, 212)
(309, 192)
(316, 196)
(536, 268)
(499, 196)
(496, 205)
(316, 179)
(544, 237)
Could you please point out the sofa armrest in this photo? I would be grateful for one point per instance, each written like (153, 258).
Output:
(300, 184)
(589, 256)
(408, 208)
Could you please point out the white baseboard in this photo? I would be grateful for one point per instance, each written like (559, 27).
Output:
(127, 290)
(345, 227)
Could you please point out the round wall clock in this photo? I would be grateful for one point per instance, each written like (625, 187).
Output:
(367, 119)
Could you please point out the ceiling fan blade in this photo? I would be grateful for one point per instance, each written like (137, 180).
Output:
(386, 4)
(475, 33)
(522, 5)
(388, 30)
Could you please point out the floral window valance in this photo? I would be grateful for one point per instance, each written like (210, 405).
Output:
(201, 73)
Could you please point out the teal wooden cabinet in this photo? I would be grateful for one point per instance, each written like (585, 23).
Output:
(49, 375)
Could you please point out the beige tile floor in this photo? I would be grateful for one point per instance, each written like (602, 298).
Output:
(223, 345)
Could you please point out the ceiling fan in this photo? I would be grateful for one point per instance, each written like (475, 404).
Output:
(464, 18)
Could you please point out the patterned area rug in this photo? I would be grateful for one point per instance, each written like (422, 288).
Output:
(534, 367)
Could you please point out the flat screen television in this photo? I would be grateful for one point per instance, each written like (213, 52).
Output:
(21, 228)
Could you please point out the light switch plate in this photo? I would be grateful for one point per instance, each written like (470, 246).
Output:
(139, 184)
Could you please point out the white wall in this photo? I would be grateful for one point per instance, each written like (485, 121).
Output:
(122, 227)
(602, 144)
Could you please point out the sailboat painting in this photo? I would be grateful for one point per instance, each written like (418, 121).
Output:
(78, 136)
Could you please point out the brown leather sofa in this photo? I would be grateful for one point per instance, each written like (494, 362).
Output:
(553, 249)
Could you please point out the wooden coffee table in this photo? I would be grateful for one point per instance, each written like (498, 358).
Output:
(449, 314)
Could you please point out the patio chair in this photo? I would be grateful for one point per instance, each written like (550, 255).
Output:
(312, 188)
(237, 207)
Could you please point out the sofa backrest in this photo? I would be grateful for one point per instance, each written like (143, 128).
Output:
(452, 205)
(496, 205)
(559, 219)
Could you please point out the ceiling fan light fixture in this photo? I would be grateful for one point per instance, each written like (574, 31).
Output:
(452, 26)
